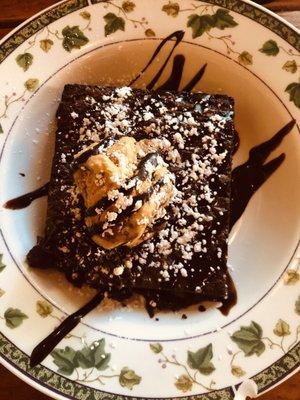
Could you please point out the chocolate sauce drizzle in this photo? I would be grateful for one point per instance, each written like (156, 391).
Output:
(26, 199)
(246, 180)
(141, 175)
(93, 151)
(143, 197)
(178, 35)
(47, 345)
(173, 82)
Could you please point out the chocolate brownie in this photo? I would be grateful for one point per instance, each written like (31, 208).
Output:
(139, 194)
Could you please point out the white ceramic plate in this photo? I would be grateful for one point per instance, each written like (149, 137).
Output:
(251, 55)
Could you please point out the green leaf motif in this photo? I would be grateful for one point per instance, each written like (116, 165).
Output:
(291, 277)
(128, 6)
(46, 44)
(156, 347)
(14, 317)
(84, 358)
(290, 66)
(85, 15)
(237, 371)
(24, 60)
(2, 265)
(43, 308)
(282, 328)
(201, 360)
(204, 23)
(101, 358)
(248, 339)
(1, 131)
(297, 306)
(65, 360)
(128, 378)
(31, 84)
(200, 24)
(245, 58)
(74, 38)
(2, 292)
(113, 24)
(184, 383)
(93, 356)
(149, 33)
(270, 48)
(171, 9)
(294, 91)
(222, 19)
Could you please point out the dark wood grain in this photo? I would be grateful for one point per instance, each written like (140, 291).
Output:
(284, 5)
(12, 13)
(4, 31)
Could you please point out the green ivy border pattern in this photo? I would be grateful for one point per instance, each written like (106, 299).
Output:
(257, 15)
(50, 379)
(14, 41)
(280, 369)
(263, 18)
(74, 390)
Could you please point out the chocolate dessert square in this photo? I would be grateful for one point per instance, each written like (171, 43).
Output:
(139, 195)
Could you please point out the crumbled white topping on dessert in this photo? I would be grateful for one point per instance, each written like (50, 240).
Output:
(118, 270)
(74, 115)
(119, 115)
(124, 91)
(148, 116)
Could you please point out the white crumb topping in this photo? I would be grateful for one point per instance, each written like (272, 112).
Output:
(124, 91)
(193, 151)
(74, 115)
(148, 116)
(118, 270)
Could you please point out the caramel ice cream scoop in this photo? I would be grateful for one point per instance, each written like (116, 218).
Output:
(126, 189)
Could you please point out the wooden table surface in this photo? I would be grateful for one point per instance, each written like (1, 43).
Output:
(12, 13)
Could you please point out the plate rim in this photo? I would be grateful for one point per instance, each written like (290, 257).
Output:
(36, 383)
(23, 374)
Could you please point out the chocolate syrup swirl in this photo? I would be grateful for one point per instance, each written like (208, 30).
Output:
(48, 344)
(143, 197)
(173, 82)
(93, 151)
(141, 175)
(26, 199)
(246, 180)
(193, 82)
(143, 172)
(178, 36)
